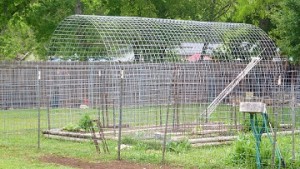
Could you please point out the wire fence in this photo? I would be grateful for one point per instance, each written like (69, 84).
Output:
(157, 100)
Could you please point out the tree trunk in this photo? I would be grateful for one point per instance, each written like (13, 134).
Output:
(78, 7)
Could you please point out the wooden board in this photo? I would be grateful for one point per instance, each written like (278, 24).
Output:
(252, 107)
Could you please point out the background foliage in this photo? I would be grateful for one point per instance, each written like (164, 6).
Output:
(26, 25)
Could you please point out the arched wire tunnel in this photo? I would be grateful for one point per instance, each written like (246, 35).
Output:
(104, 38)
(166, 61)
(170, 65)
(172, 68)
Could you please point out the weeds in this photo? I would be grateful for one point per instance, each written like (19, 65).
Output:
(244, 152)
(84, 124)
(179, 147)
(72, 127)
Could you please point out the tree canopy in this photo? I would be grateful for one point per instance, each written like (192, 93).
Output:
(287, 30)
(26, 25)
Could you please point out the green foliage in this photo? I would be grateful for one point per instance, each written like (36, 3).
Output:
(12, 10)
(72, 127)
(85, 122)
(93, 7)
(173, 146)
(138, 8)
(129, 140)
(256, 12)
(244, 152)
(287, 32)
(29, 24)
(205, 10)
(178, 147)
(17, 41)
(142, 145)
(246, 126)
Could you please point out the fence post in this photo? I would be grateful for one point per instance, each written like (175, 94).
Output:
(120, 115)
(279, 87)
(166, 125)
(38, 98)
(99, 97)
(293, 115)
(165, 135)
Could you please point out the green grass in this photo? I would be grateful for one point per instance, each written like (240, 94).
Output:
(16, 119)
(244, 152)
(18, 141)
(13, 120)
(21, 152)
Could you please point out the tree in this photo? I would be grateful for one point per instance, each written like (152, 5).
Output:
(39, 18)
(287, 32)
(143, 8)
(12, 10)
(205, 10)
(34, 21)
(17, 41)
(256, 12)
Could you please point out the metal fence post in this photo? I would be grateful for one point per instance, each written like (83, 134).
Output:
(120, 115)
(293, 116)
(38, 98)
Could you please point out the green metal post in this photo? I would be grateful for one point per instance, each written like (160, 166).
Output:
(257, 137)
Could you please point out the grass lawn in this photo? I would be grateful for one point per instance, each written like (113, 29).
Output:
(18, 141)
(21, 152)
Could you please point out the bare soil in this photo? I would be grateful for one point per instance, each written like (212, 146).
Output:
(77, 163)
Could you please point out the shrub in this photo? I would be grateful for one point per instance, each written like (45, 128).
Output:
(85, 122)
(72, 128)
(244, 152)
(246, 126)
(179, 147)
(129, 140)
(142, 145)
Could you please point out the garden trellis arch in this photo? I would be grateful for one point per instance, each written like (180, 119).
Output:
(170, 66)
(149, 40)
(127, 39)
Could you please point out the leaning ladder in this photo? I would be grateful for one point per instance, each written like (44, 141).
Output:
(101, 136)
(213, 105)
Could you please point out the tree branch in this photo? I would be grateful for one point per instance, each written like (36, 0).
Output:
(222, 11)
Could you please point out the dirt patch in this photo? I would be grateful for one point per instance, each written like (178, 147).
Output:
(77, 163)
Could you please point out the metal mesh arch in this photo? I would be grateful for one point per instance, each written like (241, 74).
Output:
(107, 38)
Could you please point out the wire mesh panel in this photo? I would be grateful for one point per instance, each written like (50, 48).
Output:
(19, 88)
(103, 38)
(156, 79)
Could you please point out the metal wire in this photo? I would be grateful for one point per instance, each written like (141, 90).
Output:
(171, 66)
(128, 39)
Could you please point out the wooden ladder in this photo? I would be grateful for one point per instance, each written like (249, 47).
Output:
(211, 108)
(101, 136)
